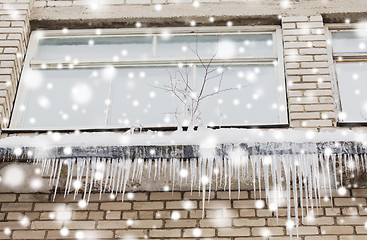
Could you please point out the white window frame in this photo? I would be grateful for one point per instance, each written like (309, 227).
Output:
(333, 58)
(30, 63)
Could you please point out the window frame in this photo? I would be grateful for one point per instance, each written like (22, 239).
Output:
(333, 59)
(30, 63)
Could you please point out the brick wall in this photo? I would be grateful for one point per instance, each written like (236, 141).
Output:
(14, 34)
(56, 3)
(310, 93)
(148, 215)
(163, 215)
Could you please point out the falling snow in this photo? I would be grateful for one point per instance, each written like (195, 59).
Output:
(274, 171)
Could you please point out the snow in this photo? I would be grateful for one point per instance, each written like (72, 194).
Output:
(204, 137)
(277, 162)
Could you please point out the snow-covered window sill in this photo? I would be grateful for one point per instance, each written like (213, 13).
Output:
(183, 144)
(276, 161)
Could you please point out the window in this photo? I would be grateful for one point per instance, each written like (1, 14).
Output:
(118, 78)
(349, 51)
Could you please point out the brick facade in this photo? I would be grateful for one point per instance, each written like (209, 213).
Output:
(162, 215)
(14, 34)
(310, 93)
(310, 105)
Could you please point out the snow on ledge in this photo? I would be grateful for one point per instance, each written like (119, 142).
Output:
(205, 138)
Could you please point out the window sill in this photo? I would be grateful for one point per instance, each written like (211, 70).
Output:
(143, 129)
(182, 145)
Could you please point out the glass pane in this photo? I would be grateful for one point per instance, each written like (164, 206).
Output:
(222, 46)
(352, 80)
(351, 41)
(112, 48)
(247, 95)
(64, 98)
(138, 98)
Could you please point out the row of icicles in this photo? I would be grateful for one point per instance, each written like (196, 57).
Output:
(315, 175)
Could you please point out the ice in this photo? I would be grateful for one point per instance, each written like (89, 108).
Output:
(149, 138)
(278, 167)
(282, 174)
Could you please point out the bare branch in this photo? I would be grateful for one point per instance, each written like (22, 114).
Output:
(185, 90)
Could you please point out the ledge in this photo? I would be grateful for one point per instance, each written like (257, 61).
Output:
(182, 145)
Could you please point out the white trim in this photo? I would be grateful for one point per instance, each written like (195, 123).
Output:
(146, 31)
(154, 47)
(333, 58)
(108, 106)
(334, 79)
(17, 116)
(282, 96)
(172, 61)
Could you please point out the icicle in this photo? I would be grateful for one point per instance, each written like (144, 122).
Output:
(300, 186)
(303, 169)
(93, 161)
(266, 178)
(134, 168)
(113, 174)
(210, 176)
(295, 189)
(323, 169)
(120, 171)
(333, 159)
(229, 174)
(86, 178)
(155, 168)
(187, 169)
(123, 172)
(108, 169)
(52, 171)
(328, 174)
(225, 174)
(314, 174)
(58, 176)
(309, 176)
(273, 177)
(258, 168)
(356, 164)
(239, 178)
(102, 177)
(253, 174)
(286, 166)
(67, 178)
(127, 175)
(200, 160)
(150, 167)
(173, 172)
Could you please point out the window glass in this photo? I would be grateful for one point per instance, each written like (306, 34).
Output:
(220, 46)
(139, 98)
(64, 98)
(350, 41)
(251, 92)
(352, 80)
(113, 48)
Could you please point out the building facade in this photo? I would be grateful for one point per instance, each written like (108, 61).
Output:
(319, 61)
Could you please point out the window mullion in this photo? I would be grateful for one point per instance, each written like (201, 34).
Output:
(109, 102)
(154, 54)
(90, 63)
